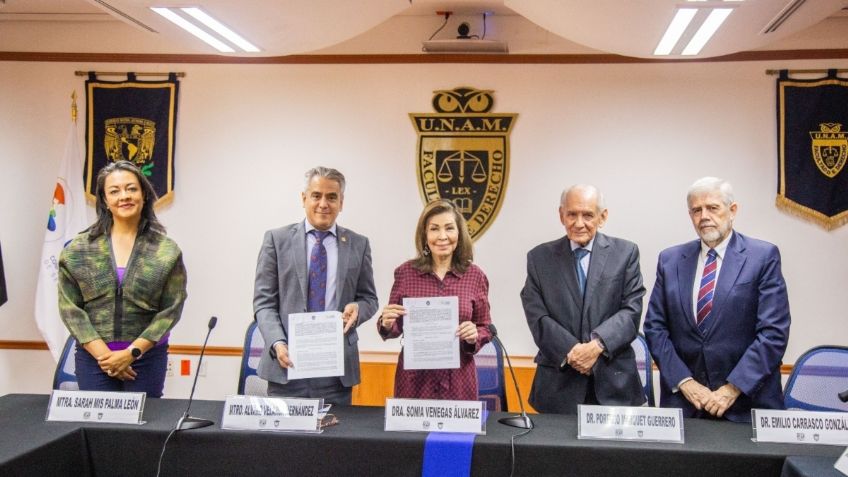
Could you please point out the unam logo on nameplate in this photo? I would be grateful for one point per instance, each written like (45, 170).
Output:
(463, 154)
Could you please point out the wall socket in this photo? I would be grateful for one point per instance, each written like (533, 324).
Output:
(169, 372)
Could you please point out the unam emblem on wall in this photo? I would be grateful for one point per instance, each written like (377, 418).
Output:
(830, 148)
(463, 154)
(130, 139)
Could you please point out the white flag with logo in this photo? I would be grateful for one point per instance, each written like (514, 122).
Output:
(66, 219)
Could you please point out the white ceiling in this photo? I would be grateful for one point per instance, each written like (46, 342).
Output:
(284, 27)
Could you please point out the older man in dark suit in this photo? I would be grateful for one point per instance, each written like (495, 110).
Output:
(718, 319)
(313, 265)
(583, 303)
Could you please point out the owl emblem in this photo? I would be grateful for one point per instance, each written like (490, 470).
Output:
(463, 100)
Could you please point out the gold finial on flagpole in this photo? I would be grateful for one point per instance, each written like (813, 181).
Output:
(74, 106)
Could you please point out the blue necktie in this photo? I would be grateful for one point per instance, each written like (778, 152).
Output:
(579, 253)
(317, 273)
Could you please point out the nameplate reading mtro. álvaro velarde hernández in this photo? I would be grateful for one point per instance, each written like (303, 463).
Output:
(800, 427)
(433, 415)
(96, 406)
(650, 424)
(256, 413)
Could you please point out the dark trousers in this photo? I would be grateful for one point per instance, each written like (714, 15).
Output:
(331, 389)
(150, 373)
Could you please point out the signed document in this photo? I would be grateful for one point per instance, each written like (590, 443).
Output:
(315, 344)
(429, 333)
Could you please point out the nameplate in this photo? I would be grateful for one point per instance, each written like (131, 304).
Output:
(842, 463)
(800, 427)
(624, 423)
(96, 406)
(255, 413)
(433, 415)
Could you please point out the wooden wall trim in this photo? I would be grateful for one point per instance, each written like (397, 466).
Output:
(23, 345)
(193, 350)
(598, 58)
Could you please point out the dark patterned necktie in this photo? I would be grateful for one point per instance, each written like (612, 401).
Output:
(579, 253)
(706, 292)
(317, 273)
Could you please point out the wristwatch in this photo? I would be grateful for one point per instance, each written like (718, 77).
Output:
(273, 349)
(136, 352)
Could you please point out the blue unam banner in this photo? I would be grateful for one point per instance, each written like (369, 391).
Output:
(812, 121)
(136, 121)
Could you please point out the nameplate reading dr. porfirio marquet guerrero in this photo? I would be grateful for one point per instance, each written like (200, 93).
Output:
(650, 424)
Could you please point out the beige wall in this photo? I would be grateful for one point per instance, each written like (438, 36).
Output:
(642, 133)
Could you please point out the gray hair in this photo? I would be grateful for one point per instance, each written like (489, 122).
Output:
(326, 172)
(602, 203)
(711, 184)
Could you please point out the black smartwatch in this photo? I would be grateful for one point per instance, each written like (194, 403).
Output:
(136, 352)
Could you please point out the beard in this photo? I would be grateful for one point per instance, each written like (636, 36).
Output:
(714, 235)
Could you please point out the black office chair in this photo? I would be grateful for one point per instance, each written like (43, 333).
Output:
(490, 377)
(65, 377)
(645, 366)
(817, 378)
(254, 345)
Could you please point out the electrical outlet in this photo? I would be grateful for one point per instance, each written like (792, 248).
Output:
(169, 372)
(201, 371)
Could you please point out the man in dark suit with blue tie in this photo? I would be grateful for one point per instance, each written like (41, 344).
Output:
(718, 319)
(311, 266)
(583, 303)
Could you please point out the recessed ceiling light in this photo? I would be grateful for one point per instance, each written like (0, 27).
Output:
(193, 29)
(222, 30)
(675, 30)
(707, 30)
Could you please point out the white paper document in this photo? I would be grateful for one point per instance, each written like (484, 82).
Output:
(842, 463)
(429, 333)
(316, 346)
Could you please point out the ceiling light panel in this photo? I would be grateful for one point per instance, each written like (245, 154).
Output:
(675, 30)
(221, 29)
(707, 30)
(186, 25)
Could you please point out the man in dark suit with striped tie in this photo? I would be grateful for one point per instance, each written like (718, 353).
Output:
(718, 319)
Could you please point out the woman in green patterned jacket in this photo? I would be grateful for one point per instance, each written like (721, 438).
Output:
(122, 285)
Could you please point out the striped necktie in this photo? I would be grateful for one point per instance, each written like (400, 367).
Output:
(706, 292)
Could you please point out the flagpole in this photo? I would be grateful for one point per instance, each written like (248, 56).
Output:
(67, 217)
(74, 106)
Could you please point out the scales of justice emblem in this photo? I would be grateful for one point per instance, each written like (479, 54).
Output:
(830, 148)
(463, 154)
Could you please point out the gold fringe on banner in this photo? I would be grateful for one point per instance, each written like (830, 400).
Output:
(806, 213)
